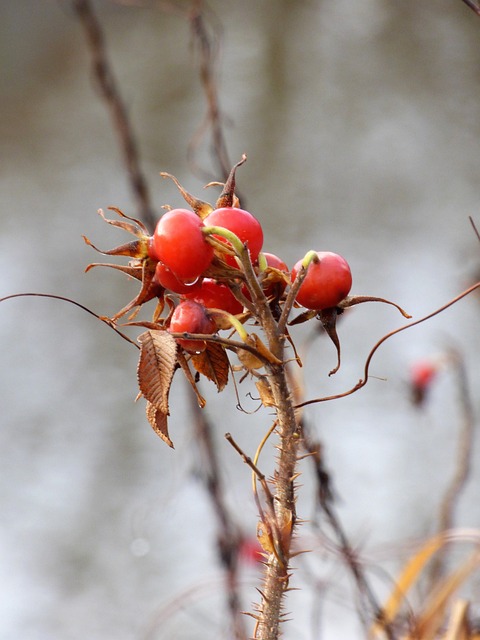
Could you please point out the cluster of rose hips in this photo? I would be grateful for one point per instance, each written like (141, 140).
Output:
(195, 254)
(182, 246)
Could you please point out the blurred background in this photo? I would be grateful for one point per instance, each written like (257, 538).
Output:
(361, 123)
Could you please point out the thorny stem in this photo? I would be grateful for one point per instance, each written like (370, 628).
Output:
(277, 564)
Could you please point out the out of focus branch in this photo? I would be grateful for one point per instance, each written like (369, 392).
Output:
(463, 462)
(103, 74)
(207, 41)
(228, 536)
(473, 6)
(367, 599)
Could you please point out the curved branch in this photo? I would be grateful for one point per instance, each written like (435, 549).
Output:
(106, 321)
(363, 381)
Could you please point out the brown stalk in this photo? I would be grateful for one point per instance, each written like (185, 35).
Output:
(473, 6)
(463, 462)
(207, 44)
(228, 535)
(106, 82)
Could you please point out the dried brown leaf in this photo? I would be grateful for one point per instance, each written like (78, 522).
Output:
(265, 391)
(158, 358)
(159, 422)
(213, 363)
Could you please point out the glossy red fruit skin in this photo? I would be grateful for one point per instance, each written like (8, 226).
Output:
(275, 262)
(327, 282)
(179, 243)
(243, 224)
(192, 317)
(215, 295)
(167, 279)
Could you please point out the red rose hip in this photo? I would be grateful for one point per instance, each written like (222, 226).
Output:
(191, 317)
(327, 282)
(214, 295)
(179, 243)
(243, 224)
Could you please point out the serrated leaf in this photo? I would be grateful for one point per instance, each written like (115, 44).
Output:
(213, 363)
(156, 366)
(159, 423)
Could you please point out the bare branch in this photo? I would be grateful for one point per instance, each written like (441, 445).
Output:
(208, 46)
(107, 85)
(473, 6)
(228, 535)
(362, 382)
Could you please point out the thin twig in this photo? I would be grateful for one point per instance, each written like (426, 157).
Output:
(228, 536)
(325, 501)
(103, 319)
(362, 382)
(473, 6)
(107, 85)
(208, 53)
(477, 233)
(463, 461)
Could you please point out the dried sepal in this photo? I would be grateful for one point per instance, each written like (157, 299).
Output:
(213, 364)
(227, 197)
(264, 537)
(133, 249)
(150, 289)
(137, 229)
(132, 270)
(263, 350)
(328, 318)
(265, 391)
(271, 276)
(303, 317)
(249, 360)
(159, 422)
(156, 366)
(350, 301)
(285, 531)
(136, 248)
(201, 208)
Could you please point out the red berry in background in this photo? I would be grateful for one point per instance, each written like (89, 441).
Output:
(192, 317)
(328, 281)
(215, 295)
(250, 551)
(245, 226)
(179, 243)
(422, 375)
(167, 279)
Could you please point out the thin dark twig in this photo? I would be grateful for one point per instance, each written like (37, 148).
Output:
(228, 536)
(477, 233)
(208, 52)
(105, 79)
(463, 463)
(473, 6)
(325, 501)
(106, 321)
(361, 383)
